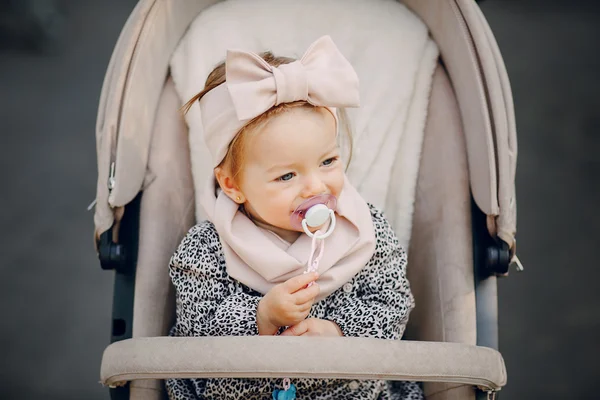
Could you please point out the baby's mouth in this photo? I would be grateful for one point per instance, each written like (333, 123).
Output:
(319, 216)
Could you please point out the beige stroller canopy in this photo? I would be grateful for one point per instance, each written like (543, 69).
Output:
(140, 61)
(134, 89)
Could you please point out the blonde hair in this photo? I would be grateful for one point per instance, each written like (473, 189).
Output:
(234, 159)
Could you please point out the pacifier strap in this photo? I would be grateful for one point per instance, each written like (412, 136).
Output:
(316, 253)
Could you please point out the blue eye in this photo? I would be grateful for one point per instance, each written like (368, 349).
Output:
(286, 177)
(329, 161)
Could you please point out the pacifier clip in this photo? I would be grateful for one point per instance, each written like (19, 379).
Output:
(312, 213)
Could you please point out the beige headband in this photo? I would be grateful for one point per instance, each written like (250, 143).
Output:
(322, 77)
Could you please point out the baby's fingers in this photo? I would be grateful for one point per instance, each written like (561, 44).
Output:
(297, 330)
(307, 295)
(296, 283)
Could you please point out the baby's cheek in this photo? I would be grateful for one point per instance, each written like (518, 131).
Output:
(339, 183)
(276, 205)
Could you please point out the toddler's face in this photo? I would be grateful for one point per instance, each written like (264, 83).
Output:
(293, 157)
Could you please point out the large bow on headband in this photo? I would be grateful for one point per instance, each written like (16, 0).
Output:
(322, 77)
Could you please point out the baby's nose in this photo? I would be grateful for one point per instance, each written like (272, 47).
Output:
(313, 186)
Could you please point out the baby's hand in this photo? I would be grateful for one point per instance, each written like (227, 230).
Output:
(286, 304)
(314, 327)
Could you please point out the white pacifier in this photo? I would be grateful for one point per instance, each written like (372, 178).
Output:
(315, 212)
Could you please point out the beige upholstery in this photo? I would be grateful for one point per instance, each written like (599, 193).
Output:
(167, 212)
(260, 356)
(440, 261)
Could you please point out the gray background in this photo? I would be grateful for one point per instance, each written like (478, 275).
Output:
(56, 302)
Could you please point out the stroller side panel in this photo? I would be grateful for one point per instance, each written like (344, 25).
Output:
(167, 212)
(440, 257)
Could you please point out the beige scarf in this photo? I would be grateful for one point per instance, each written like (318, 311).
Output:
(260, 259)
(256, 256)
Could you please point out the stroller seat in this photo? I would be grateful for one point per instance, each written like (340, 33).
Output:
(455, 315)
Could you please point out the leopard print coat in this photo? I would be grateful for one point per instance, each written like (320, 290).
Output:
(375, 303)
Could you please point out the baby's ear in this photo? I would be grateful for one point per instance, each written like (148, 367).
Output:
(228, 185)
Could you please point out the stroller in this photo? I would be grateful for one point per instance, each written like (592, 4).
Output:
(463, 217)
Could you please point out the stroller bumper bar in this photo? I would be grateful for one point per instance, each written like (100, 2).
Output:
(279, 357)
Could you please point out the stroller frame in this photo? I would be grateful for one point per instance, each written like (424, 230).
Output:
(490, 126)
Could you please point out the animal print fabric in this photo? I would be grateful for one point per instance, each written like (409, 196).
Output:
(375, 303)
